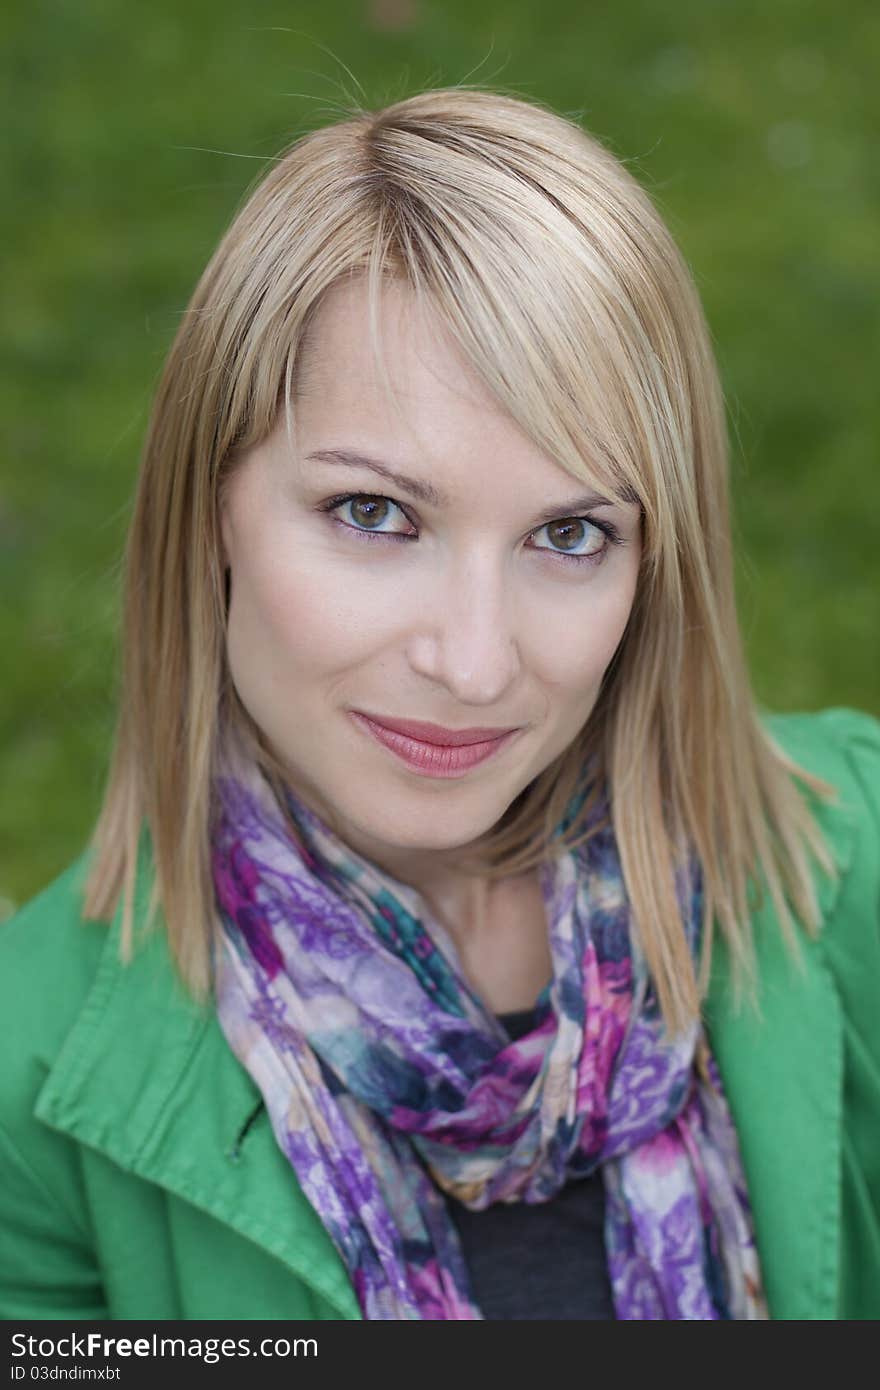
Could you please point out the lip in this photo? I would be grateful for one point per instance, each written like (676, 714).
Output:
(433, 758)
(436, 734)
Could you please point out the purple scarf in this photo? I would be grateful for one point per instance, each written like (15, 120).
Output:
(388, 1082)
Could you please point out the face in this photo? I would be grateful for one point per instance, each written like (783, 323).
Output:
(475, 590)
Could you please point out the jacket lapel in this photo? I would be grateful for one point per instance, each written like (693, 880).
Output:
(147, 1077)
(783, 1075)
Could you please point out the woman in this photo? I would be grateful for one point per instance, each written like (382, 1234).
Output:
(477, 947)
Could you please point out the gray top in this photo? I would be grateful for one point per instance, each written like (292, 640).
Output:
(538, 1260)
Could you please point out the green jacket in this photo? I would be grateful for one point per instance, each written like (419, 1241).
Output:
(140, 1178)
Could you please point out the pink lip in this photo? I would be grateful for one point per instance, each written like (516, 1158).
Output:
(436, 733)
(446, 754)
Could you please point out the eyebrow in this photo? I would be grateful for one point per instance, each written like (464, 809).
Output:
(426, 492)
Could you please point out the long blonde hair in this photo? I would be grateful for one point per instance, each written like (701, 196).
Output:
(562, 286)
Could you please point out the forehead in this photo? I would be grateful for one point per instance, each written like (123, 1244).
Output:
(413, 399)
(404, 353)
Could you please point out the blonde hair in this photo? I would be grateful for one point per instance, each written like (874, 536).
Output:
(562, 286)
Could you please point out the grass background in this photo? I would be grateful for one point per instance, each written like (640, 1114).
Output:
(133, 131)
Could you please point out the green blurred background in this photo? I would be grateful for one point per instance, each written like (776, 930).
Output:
(133, 131)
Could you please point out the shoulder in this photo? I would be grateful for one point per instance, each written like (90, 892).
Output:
(48, 959)
(842, 746)
(839, 739)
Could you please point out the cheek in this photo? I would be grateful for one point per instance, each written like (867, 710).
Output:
(295, 617)
(578, 641)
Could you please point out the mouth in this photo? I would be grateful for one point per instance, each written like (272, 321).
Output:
(447, 753)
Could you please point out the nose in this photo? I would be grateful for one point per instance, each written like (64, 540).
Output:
(463, 634)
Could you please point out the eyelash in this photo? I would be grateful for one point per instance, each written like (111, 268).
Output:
(611, 533)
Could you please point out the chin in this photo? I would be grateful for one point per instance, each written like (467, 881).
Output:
(436, 834)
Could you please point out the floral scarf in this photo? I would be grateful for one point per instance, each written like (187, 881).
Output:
(388, 1082)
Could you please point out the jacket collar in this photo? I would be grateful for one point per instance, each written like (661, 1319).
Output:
(143, 1106)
